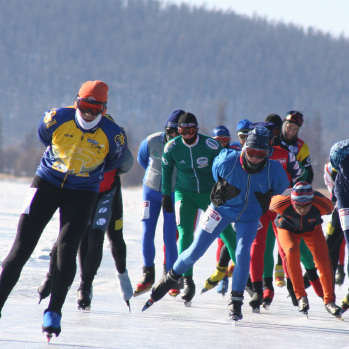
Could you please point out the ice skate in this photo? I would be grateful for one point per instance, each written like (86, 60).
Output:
(334, 310)
(84, 298)
(223, 286)
(125, 287)
(291, 293)
(268, 296)
(147, 281)
(256, 302)
(215, 278)
(174, 292)
(340, 275)
(303, 305)
(169, 281)
(44, 290)
(345, 303)
(234, 306)
(231, 270)
(51, 324)
(279, 275)
(189, 290)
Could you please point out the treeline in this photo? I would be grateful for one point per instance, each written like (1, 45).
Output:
(156, 58)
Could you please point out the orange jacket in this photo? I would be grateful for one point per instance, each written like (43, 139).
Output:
(289, 219)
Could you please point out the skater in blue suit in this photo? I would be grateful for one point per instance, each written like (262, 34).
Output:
(245, 183)
(149, 157)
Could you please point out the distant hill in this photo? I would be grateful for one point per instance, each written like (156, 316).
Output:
(219, 65)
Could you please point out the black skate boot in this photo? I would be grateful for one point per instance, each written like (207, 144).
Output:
(306, 280)
(303, 305)
(84, 298)
(44, 289)
(268, 292)
(234, 305)
(147, 281)
(340, 275)
(257, 298)
(169, 281)
(189, 290)
(291, 292)
(334, 310)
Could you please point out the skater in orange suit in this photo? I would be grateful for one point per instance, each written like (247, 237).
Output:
(299, 212)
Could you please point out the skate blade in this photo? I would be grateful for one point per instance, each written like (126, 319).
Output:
(187, 304)
(129, 306)
(235, 318)
(339, 317)
(48, 337)
(256, 310)
(266, 306)
(147, 305)
(84, 309)
(223, 292)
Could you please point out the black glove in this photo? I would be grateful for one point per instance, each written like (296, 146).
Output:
(167, 203)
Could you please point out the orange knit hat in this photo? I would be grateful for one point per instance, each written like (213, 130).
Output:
(95, 90)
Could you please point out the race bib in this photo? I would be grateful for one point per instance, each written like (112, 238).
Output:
(209, 220)
(145, 208)
(28, 200)
(344, 218)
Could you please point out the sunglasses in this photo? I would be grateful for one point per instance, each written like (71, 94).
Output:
(187, 130)
(295, 118)
(222, 139)
(171, 130)
(256, 153)
(88, 106)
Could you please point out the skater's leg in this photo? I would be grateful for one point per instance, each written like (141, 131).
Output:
(316, 242)
(75, 212)
(170, 238)
(39, 208)
(149, 217)
(290, 245)
(245, 234)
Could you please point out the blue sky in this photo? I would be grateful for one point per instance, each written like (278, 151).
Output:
(329, 16)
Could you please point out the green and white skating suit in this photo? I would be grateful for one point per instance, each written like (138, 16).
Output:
(194, 181)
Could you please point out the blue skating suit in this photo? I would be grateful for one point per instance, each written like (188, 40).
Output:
(339, 157)
(237, 197)
(149, 156)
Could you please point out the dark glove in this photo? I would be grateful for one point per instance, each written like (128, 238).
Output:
(167, 203)
(264, 200)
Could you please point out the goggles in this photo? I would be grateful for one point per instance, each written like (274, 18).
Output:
(88, 106)
(296, 118)
(191, 130)
(171, 130)
(242, 136)
(222, 139)
(256, 153)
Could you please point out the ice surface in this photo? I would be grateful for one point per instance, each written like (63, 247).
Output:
(167, 324)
